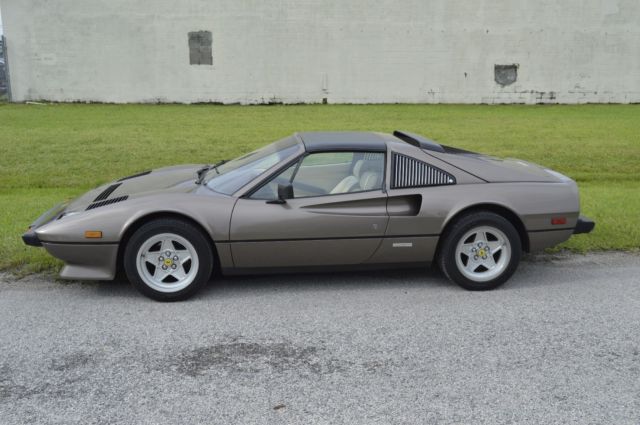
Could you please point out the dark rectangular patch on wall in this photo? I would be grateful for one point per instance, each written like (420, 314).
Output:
(505, 74)
(200, 51)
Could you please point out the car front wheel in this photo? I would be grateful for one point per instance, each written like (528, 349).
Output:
(480, 251)
(168, 259)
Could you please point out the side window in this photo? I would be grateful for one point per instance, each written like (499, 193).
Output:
(329, 173)
(270, 189)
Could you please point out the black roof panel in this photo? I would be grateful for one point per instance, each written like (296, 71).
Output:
(418, 141)
(343, 141)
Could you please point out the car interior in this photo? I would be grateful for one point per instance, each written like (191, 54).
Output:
(329, 173)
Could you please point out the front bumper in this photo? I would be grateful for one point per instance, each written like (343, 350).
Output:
(584, 225)
(83, 259)
(30, 238)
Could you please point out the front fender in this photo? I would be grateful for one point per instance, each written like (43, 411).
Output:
(211, 212)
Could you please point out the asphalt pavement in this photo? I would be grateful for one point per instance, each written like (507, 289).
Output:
(559, 343)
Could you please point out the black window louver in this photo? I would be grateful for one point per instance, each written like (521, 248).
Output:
(107, 202)
(105, 193)
(410, 172)
(133, 176)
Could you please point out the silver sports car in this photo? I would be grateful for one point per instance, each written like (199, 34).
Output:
(317, 200)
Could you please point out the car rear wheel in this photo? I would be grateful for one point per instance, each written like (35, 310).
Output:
(168, 259)
(480, 251)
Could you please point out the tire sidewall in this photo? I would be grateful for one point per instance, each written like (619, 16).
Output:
(178, 227)
(447, 258)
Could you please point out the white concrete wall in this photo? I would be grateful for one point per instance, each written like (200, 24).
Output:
(348, 51)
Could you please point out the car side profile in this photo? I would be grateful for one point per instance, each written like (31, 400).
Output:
(315, 200)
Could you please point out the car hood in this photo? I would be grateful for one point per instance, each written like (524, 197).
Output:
(499, 170)
(174, 179)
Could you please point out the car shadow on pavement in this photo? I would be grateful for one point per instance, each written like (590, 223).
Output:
(233, 286)
(248, 285)
(527, 276)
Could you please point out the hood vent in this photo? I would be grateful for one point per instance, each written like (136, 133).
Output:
(144, 173)
(107, 202)
(105, 193)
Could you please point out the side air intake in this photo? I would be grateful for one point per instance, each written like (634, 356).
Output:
(107, 202)
(409, 172)
(105, 193)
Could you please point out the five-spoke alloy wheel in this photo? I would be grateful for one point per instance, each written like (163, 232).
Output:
(168, 259)
(480, 251)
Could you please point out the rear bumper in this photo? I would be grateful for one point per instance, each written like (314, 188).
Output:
(584, 225)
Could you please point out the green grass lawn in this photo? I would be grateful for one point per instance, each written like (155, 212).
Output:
(52, 152)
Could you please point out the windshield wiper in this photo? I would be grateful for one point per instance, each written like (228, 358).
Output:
(202, 172)
(216, 165)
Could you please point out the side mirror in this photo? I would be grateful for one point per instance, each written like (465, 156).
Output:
(285, 191)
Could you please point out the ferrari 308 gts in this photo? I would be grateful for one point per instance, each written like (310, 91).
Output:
(315, 200)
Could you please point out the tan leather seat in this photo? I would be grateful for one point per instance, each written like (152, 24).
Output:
(350, 183)
(365, 177)
(370, 180)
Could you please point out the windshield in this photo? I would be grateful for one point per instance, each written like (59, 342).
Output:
(231, 176)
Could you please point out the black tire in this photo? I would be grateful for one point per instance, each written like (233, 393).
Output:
(447, 254)
(183, 229)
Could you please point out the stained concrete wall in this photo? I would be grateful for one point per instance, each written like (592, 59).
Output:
(345, 51)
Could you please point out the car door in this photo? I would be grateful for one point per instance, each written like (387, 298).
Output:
(337, 216)
(416, 184)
